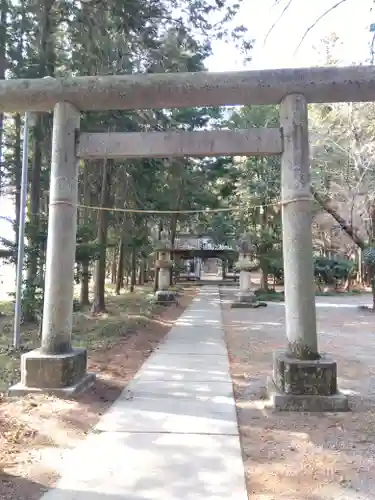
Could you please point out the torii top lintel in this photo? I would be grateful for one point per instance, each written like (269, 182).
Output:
(179, 90)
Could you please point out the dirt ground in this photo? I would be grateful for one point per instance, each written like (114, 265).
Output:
(35, 432)
(300, 456)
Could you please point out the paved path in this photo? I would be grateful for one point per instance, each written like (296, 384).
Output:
(172, 434)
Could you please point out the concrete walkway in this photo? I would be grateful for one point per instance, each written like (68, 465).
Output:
(172, 434)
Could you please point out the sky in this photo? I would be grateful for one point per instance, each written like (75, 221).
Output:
(351, 22)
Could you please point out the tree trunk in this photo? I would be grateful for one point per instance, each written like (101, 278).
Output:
(141, 273)
(174, 220)
(156, 271)
(264, 264)
(120, 267)
(18, 121)
(45, 67)
(3, 39)
(133, 271)
(33, 275)
(85, 289)
(349, 230)
(156, 280)
(114, 269)
(264, 276)
(223, 269)
(145, 271)
(98, 305)
(35, 194)
(171, 271)
(348, 284)
(85, 272)
(173, 237)
(360, 267)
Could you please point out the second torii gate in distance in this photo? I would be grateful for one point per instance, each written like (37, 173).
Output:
(302, 379)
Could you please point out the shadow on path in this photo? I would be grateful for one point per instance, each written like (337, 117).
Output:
(16, 487)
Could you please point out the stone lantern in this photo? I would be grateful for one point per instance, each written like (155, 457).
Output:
(163, 264)
(247, 262)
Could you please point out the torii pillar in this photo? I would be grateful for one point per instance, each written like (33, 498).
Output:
(56, 367)
(303, 379)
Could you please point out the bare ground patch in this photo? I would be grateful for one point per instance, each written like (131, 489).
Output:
(35, 432)
(299, 456)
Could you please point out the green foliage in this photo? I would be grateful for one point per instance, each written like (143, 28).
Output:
(333, 271)
(254, 185)
(87, 249)
(33, 283)
(252, 266)
(68, 38)
(276, 269)
(32, 300)
(219, 227)
(369, 261)
(6, 254)
(369, 258)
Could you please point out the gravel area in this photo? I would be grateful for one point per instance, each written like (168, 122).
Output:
(300, 456)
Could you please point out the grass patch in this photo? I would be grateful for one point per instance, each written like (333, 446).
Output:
(125, 314)
(6, 308)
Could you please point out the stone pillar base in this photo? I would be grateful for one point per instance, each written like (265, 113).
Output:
(58, 374)
(309, 385)
(247, 300)
(165, 297)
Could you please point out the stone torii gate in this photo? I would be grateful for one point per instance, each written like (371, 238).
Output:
(302, 378)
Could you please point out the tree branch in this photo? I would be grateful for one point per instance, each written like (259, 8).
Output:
(319, 18)
(277, 20)
(349, 230)
(312, 26)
